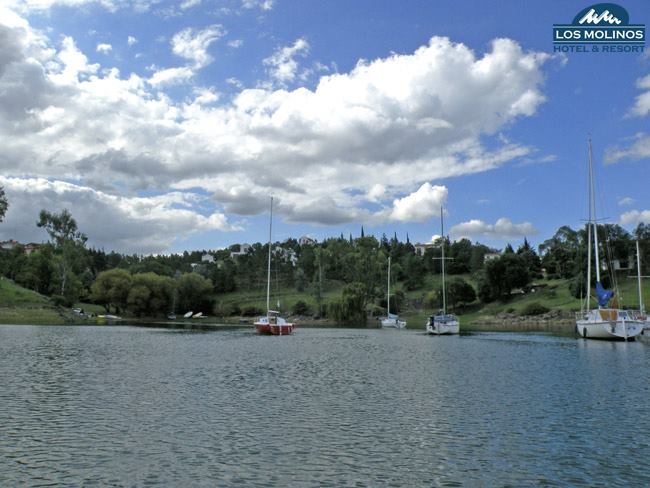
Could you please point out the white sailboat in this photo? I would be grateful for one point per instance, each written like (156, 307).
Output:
(272, 323)
(443, 323)
(391, 319)
(645, 333)
(603, 322)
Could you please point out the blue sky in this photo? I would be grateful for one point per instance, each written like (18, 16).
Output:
(165, 126)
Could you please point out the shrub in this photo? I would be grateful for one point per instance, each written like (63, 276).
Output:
(301, 308)
(252, 311)
(534, 308)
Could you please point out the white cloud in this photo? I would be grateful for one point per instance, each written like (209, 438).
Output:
(110, 5)
(399, 122)
(638, 149)
(503, 228)
(187, 4)
(635, 217)
(131, 40)
(193, 44)
(420, 205)
(104, 48)
(261, 4)
(641, 106)
(622, 202)
(133, 224)
(171, 76)
(283, 67)
(236, 43)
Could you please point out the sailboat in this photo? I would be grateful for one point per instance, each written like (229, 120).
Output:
(602, 322)
(272, 323)
(444, 323)
(645, 333)
(391, 319)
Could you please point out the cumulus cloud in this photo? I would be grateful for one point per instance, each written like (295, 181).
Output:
(420, 205)
(635, 217)
(638, 149)
(133, 224)
(236, 43)
(104, 48)
(193, 44)
(503, 228)
(641, 106)
(375, 135)
(283, 66)
(131, 40)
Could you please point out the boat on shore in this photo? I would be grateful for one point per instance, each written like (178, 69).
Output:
(603, 322)
(272, 323)
(443, 323)
(391, 320)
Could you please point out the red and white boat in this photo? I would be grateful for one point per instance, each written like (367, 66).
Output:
(272, 323)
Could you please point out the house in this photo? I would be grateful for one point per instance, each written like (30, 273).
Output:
(243, 249)
(31, 247)
(490, 256)
(8, 245)
(207, 258)
(421, 248)
(306, 241)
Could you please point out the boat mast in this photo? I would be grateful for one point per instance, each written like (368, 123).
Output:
(638, 276)
(589, 236)
(444, 295)
(593, 213)
(268, 273)
(388, 289)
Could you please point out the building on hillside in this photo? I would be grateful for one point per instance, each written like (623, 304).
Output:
(8, 245)
(207, 258)
(31, 247)
(420, 249)
(243, 249)
(307, 241)
(490, 256)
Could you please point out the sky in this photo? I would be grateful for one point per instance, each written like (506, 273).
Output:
(167, 126)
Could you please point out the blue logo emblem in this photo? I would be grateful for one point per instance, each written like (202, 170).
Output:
(603, 27)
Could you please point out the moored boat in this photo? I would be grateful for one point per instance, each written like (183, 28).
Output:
(443, 323)
(272, 323)
(603, 322)
(391, 320)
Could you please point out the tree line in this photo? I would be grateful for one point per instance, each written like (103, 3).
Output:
(67, 270)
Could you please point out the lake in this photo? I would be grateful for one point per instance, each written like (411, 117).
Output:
(129, 406)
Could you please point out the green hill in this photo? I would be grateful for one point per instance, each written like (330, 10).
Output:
(19, 305)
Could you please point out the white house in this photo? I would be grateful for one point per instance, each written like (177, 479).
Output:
(243, 249)
(421, 248)
(207, 258)
(306, 241)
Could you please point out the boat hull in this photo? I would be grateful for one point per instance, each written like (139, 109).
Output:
(393, 324)
(619, 330)
(274, 329)
(443, 329)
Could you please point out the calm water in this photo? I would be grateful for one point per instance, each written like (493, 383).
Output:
(123, 406)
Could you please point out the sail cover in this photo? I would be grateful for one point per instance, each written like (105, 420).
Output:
(602, 294)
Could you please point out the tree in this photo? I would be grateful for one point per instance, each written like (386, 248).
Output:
(111, 288)
(460, 291)
(68, 242)
(194, 293)
(150, 294)
(350, 308)
(4, 204)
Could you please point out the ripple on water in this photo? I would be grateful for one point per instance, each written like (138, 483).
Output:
(122, 406)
